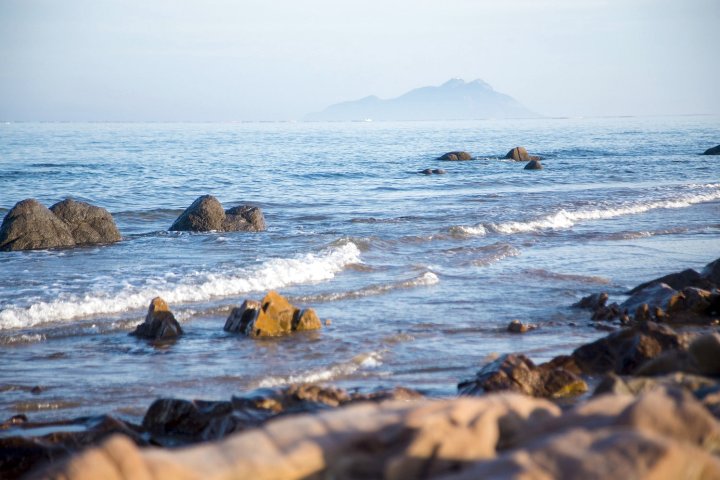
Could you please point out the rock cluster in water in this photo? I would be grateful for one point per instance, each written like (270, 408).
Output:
(206, 214)
(29, 225)
(271, 317)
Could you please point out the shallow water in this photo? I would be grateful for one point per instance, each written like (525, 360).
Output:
(418, 274)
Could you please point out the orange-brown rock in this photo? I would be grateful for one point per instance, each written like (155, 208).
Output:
(271, 317)
(519, 154)
(160, 323)
(456, 156)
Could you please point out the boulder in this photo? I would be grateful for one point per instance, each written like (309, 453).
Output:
(516, 326)
(439, 171)
(88, 224)
(711, 272)
(517, 373)
(624, 351)
(712, 151)
(272, 317)
(655, 295)
(533, 165)
(160, 323)
(456, 156)
(519, 154)
(705, 352)
(206, 214)
(427, 171)
(29, 225)
(676, 281)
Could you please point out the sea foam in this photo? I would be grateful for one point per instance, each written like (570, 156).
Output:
(195, 287)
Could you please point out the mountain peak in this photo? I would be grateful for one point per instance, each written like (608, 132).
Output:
(455, 99)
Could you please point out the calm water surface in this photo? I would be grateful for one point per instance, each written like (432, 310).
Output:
(419, 274)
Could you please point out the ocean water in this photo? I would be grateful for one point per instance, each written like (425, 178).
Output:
(418, 274)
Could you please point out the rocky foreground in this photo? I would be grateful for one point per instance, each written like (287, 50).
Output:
(642, 402)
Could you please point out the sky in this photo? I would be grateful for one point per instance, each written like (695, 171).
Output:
(223, 60)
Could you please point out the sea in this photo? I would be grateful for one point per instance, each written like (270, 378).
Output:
(416, 276)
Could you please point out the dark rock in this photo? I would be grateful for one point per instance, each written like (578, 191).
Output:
(206, 214)
(533, 165)
(203, 215)
(427, 171)
(624, 351)
(519, 154)
(456, 156)
(88, 224)
(272, 317)
(656, 295)
(243, 219)
(31, 226)
(159, 322)
(712, 151)
(592, 302)
(439, 171)
(711, 273)
(677, 281)
(518, 373)
(705, 352)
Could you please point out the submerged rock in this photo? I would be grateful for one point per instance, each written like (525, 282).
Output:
(712, 151)
(456, 156)
(533, 165)
(206, 214)
(516, 326)
(272, 317)
(88, 224)
(29, 225)
(518, 373)
(519, 154)
(159, 322)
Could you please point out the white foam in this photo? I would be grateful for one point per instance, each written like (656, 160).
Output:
(198, 286)
(426, 279)
(366, 360)
(564, 219)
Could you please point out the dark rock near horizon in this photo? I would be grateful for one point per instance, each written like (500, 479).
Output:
(712, 151)
(533, 165)
(520, 154)
(453, 100)
(439, 171)
(206, 214)
(29, 225)
(517, 373)
(88, 224)
(271, 317)
(159, 324)
(456, 156)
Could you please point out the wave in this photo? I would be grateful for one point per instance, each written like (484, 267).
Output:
(426, 279)
(565, 219)
(196, 287)
(365, 360)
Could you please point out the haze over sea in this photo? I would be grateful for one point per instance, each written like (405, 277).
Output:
(419, 274)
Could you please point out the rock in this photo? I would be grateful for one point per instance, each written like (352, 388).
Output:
(31, 226)
(518, 373)
(88, 224)
(657, 295)
(592, 302)
(711, 272)
(206, 214)
(272, 317)
(533, 165)
(427, 171)
(676, 281)
(519, 154)
(705, 351)
(660, 434)
(516, 326)
(456, 156)
(712, 151)
(243, 219)
(624, 351)
(160, 323)
(439, 171)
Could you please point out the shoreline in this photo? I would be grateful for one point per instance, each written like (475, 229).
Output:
(642, 360)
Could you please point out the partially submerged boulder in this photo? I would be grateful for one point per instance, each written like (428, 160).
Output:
(272, 317)
(533, 165)
(712, 151)
(29, 225)
(519, 154)
(160, 323)
(206, 214)
(88, 224)
(517, 373)
(456, 156)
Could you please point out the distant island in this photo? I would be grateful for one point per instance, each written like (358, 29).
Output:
(455, 99)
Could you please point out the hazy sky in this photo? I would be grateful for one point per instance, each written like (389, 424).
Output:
(263, 59)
